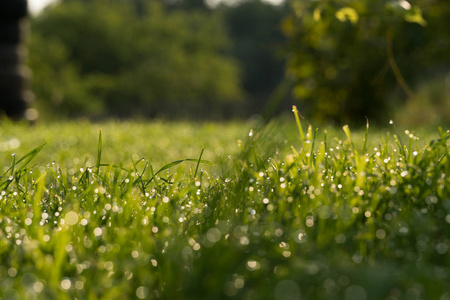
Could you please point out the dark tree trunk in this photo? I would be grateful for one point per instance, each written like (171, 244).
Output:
(15, 92)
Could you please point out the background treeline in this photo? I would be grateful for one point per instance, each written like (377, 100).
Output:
(155, 59)
(339, 61)
(380, 59)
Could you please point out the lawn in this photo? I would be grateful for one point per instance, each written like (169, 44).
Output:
(136, 210)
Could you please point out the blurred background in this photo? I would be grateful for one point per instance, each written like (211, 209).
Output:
(338, 61)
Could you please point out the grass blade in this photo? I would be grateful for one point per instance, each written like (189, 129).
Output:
(99, 151)
(364, 150)
(299, 125)
(177, 162)
(26, 159)
(198, 163)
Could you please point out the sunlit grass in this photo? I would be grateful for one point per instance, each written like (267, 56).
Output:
(339, 214)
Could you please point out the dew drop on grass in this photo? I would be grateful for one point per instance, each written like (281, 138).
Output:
(340, 238)
(79, 285)
(213, 235)
(252, 265)
(300, 237)
(38, 286)
(142, 292)
(229, 289)
(98, 231)
(239, 282)
(12, 272)
(380, 234)
(66, 284)
(447, 218)
(71, 218)
(403, 229)
(278, 232)
(244, 241)
(357, 258)
(286, 254)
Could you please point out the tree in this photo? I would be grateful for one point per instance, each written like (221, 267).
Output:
(161, 63)
(254, 27)
(348, 58)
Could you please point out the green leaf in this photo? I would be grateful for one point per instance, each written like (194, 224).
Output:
(347, 14)
(415, 16)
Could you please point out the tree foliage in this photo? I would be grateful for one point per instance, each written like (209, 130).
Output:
(350, 58)
(254, 27)
(100, 59)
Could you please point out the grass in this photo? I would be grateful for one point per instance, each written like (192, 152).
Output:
(117, 214)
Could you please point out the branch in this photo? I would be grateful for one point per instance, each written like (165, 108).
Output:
(398, 75)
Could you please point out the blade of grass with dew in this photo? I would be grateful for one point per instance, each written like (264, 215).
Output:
(198, 163)
(177, 162)
(99, 152)
(26, 159)
(299, 125)
(364, 150)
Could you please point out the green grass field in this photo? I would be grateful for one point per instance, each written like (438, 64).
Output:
(223, 211)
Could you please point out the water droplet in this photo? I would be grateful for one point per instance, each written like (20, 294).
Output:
(142, 292)
(38, 286)
(252, 265)
(71, 218)
(98, 231)
(380, 234)
(213, 235)
(66, 284)
(12, 272)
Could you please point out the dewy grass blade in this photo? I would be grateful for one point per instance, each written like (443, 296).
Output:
(99, 151)
(177, 162)
(26, 159)
(364, 150)
(13, 164)
(299, 125)
(198, 163)
(348, 133)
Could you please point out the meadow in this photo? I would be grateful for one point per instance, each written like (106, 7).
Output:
(136, 210)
